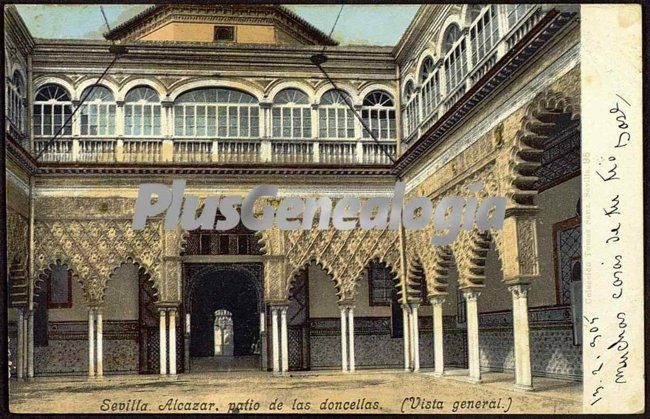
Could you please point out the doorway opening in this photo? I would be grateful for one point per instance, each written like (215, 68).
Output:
(224, 302)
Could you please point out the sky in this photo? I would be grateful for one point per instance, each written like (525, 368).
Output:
(358, 24)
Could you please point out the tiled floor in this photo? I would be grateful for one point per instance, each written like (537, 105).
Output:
(324, 391)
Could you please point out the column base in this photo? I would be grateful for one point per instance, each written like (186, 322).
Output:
(523, 387)
(474, 380)
(438, 374)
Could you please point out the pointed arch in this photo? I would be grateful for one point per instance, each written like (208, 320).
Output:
(143, 269)
(543, 116)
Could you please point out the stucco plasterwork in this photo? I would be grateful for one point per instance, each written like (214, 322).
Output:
(93, 237)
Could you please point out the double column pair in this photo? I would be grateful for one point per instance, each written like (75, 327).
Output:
(25, 344)
(167, 328)
(347, 338)
(95, 342)
(411, 337)
(280, 347)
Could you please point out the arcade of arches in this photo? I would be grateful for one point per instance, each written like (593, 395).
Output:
(90, 295)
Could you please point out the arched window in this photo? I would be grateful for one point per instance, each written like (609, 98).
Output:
(142, 112)
(455, 61)
(430, 86)
(291, 114)
(484, 32)
(98, 111)
(335, 118)
(52, 107)
(216, 112)
(378, 113)
(412, 110)
(16, 101)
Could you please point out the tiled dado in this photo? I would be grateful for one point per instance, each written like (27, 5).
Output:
(67, 348)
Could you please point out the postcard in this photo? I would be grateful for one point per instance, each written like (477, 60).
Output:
(323, 208)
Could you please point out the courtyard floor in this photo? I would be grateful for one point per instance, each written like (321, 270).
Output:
(364, 391)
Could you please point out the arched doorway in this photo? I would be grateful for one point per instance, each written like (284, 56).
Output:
(223, 301)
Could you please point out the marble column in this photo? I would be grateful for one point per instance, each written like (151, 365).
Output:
(25, 342)
(523, 374)
(416, 337)
(438, 336)
(20, 344)
(30, 344)
(91, 342)
(163, 341)
(172, 341)
(344, 343)
(471, 299)
(100, 343)
(406, 333)
(276, 344)
(351, 363)
(284, 349)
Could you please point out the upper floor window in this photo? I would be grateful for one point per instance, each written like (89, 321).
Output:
(378, 114)
(335, 118)
(142, 112)
(224, 33)
(52, 108)
(97, 114)
(454, 49)
(430, 86)
(516, 12)
(484, 33)
(216, 112)
(291, 114)
(412, 110)
(473, 12)
(16, 101)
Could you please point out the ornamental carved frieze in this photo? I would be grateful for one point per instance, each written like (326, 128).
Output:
(17, 239)
(543, 117)
(94, 236)
(343, 254)
(94, 248)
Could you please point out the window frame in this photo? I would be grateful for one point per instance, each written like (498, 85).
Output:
(16, 91)
(430, 87)
(97, 113)
(53, 104)
(372, 302)
(332, 115)
(291, 112)
(222, 119)
(153, 121)
(373, 112)
(54, 304)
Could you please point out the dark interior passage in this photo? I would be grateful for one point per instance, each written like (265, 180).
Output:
(224, 290)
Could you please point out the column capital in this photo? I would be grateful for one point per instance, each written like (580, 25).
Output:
(437, 299)
(166, 103)
(519, 290)
(471, 294)
(346, 304)
(315, 106)
(266, 105)
(119, 103)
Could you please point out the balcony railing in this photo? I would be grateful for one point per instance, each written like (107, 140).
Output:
(244, 151)
(513, 25)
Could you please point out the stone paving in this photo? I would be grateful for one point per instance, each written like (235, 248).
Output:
(304, 392)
